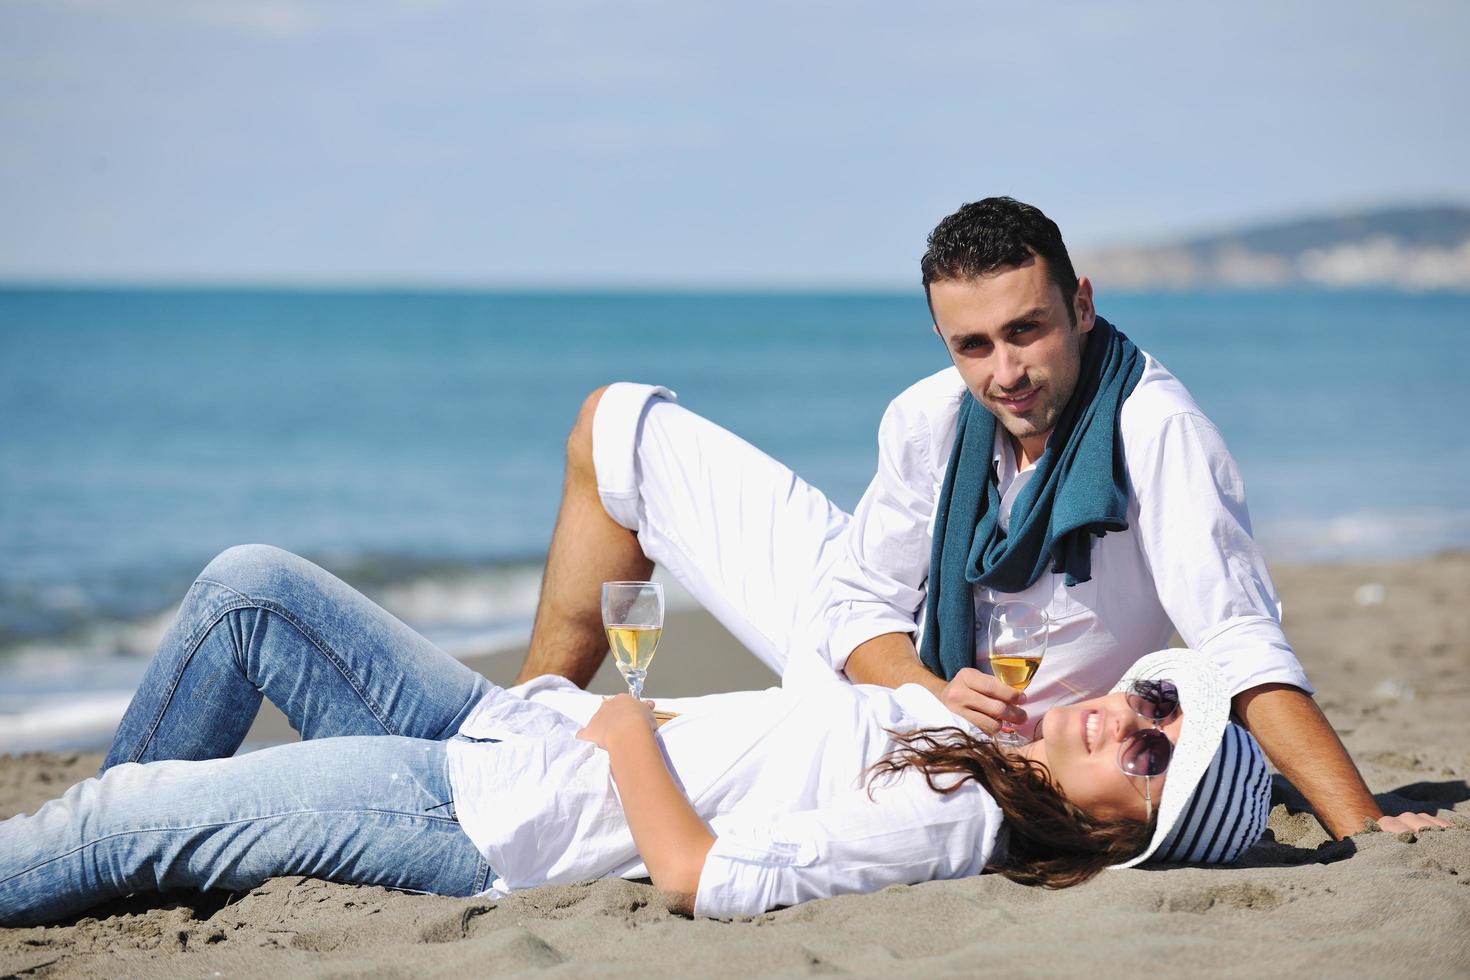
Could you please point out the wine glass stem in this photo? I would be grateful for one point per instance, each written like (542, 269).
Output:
(635, 683)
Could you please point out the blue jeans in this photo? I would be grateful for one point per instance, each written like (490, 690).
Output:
(363, 799)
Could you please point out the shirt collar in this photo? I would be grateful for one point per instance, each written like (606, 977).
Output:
(1003, 458)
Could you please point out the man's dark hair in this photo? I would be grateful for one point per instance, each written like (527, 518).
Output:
(997, 233)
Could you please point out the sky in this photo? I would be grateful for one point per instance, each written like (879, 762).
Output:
(650, 143)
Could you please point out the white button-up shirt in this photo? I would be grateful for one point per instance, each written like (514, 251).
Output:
(1187, 561)
(779, 776)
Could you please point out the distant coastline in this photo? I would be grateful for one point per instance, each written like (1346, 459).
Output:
(1395, 249)
(1413, 248)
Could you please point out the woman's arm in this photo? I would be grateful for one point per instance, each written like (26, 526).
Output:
(671, 838)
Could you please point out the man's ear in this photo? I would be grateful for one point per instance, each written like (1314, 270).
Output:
(1082, 307)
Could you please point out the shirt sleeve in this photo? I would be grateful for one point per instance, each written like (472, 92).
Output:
(876, 586)
(1211, 578)
(906, 834)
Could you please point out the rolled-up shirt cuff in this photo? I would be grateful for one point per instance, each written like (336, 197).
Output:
(851, 624)
(1251, 651)
(736, 877)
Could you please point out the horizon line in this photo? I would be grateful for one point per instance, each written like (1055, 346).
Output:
(532, 286)
(631, 289)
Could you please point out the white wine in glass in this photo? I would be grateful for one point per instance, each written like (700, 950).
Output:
(1017, 644)
(633, 646)
(633, 616)
(1014, 672)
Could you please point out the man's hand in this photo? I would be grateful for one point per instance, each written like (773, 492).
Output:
(982, 700)
(1299, 741)
(618, 717)
(1412, 821)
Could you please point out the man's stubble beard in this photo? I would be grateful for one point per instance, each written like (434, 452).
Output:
(1040, 421)
(1043, 419)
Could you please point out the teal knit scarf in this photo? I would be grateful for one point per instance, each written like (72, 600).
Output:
(1079, 491)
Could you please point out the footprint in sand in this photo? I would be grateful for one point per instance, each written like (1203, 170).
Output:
(1245, 895)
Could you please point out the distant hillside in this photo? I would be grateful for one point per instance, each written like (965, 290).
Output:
(1413, 248)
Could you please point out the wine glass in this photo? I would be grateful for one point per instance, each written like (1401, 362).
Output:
(633, 615)
(1017, 644)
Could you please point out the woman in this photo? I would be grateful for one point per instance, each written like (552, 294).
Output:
(415, 773)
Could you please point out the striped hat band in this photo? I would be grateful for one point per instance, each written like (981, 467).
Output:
(1217, 792)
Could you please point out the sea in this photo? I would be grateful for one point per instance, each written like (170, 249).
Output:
(412, 441)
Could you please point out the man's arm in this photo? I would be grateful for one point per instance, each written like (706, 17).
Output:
(892, 661)
(1299, 740)
(670, 837)
(1212, 580)
(876, 585)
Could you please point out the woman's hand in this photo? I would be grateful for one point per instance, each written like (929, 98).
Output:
(618, 716)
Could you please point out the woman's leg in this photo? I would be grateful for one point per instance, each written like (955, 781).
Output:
(357, 810)
(260, 620)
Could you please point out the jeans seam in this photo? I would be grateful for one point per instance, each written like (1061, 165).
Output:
(225, 823)
(221, 585)
(358, 688)
(173, 686)
(249, 602)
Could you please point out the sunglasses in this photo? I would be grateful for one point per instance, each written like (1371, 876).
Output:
(1147, 751)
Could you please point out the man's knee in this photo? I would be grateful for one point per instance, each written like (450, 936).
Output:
(579, 441)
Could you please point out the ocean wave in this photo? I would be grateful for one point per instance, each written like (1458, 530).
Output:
(1365, 534)
(471, 598)
(77, 721)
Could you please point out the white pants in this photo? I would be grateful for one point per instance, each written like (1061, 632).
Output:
(749, 539)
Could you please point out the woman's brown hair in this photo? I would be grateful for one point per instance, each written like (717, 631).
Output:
(1051, 842)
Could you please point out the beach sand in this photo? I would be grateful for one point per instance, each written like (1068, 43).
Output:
(1387, 644)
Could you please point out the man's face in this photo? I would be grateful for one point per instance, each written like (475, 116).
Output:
(1013, 342)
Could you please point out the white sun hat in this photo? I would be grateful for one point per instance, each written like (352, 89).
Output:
(1217, 791)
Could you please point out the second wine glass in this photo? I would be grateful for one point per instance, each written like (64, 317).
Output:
(1017, 643)
(633, 616)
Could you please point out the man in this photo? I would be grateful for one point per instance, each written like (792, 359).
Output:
(1054, 463)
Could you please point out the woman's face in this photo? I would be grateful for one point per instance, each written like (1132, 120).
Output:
(1080, 749)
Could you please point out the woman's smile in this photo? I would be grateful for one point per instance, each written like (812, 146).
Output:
(1091, 727)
